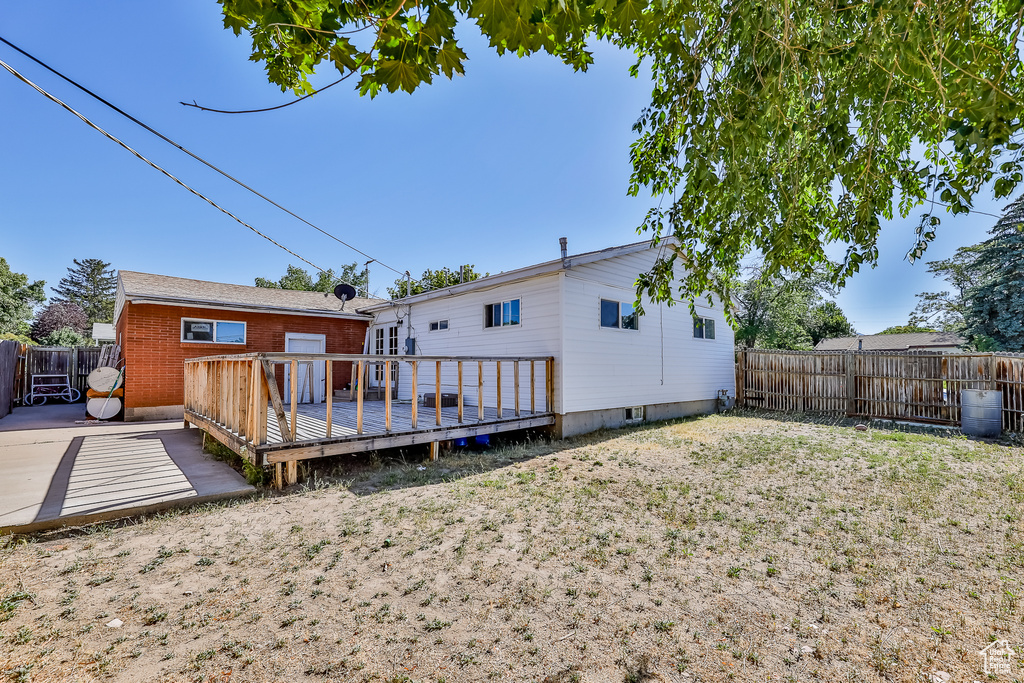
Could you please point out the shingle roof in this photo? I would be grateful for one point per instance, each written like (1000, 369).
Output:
(165, 288)
(892, 342)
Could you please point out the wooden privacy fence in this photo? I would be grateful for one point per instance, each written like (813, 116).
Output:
(8, 374)
(74, 361)
(918, 386)
(238, 400)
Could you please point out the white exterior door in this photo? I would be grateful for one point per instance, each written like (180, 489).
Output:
(310, 376)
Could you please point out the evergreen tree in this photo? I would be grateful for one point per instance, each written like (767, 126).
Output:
(995, 307)
(91, 285)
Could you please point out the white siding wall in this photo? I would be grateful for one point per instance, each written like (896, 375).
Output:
(595, 368)
(538, 334)
(659, 363)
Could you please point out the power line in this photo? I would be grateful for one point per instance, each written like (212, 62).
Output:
(110, 137)
(185, 150)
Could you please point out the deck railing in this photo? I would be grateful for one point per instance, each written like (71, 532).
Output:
(234, 397)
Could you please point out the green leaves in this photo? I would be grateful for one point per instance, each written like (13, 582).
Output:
(790, 128)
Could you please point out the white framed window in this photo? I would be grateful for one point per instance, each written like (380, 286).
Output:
(379, 336)
(200, 331)
(502, 314)
(619, 315)
(703, 328)
(438, 325)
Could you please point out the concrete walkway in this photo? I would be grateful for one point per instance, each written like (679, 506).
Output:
(56, 472)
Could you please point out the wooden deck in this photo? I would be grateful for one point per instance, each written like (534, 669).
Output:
(311, 438)
(237, 400)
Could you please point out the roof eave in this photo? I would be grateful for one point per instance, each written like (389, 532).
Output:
(205, 303)
(537, 270)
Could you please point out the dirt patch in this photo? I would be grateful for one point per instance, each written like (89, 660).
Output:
(735, 546)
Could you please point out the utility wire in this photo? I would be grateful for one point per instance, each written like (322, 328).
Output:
(92, 125)
(181, 148)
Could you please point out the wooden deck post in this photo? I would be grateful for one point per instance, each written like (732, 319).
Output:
(387, 396)
(460, 392)
(498, 367)
(549, 382)
(437, 391)
(294, 395)
(414, 369)
(533, 389)
(359, 400)
(434, 448)
(480, 391)
(291, 472)
(278, 475)
(515, 365)
(329, 386)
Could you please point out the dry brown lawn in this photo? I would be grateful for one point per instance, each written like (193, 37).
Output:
(745, 547)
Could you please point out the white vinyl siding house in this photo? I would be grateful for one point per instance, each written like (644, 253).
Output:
(600, 370)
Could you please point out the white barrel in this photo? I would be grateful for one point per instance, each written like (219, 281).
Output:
(105, 380)
(981, 412)
(103, 408)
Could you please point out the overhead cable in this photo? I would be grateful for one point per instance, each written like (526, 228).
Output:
(188, 152)
(139, 156)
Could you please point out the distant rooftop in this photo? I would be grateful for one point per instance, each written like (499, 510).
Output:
(103, 332)
(168, 289)
(912, 341)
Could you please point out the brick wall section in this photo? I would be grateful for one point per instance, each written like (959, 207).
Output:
(150, 338)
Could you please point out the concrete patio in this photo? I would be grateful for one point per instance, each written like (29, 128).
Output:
(56, 470)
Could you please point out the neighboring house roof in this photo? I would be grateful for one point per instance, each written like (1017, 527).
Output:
(103, 332)
(164, 289)
(519, 274)
(893, 342)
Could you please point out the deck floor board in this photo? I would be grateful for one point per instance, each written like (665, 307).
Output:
(311, 420)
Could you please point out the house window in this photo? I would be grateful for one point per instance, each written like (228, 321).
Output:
(438, 325)
(212, 331)
(393, 341)
(392, 347)
(703, 328)
(502, 314)
(620, 315)
(378, 349)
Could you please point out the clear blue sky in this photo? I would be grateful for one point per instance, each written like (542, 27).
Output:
(489, 169)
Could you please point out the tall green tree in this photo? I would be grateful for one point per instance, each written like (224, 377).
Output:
(434, 279)
(90, 284)
(18, 297)
(946, 310)
(788, 127)
(995, 311)
(779, 312)
(326, 281)
(826, 320)
(907, 329)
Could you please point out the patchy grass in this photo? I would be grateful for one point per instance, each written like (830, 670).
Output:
(727, 547)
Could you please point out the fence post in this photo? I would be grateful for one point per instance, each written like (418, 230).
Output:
(851, 385)
(741, 376)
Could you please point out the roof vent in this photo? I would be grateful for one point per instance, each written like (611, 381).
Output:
(564, 243)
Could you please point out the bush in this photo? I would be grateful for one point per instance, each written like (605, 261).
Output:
(65, 336)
